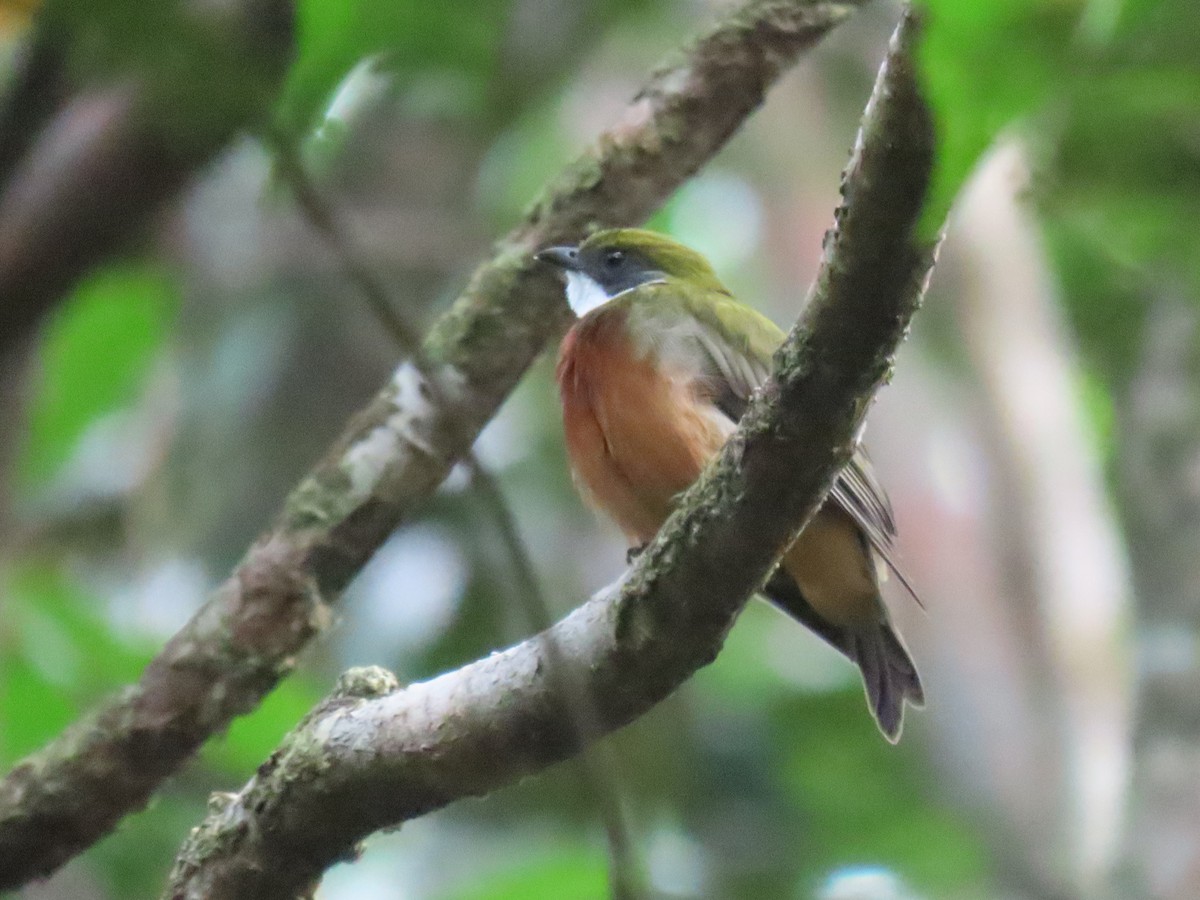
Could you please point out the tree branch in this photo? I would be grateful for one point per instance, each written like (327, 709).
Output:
(393, 454)
(374, 755)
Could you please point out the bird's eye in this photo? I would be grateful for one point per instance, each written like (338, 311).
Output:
(614, 259)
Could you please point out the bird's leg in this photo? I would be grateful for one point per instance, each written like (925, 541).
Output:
(634, 552)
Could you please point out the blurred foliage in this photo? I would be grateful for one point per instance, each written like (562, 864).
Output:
(1107, 95)
(239, 54)
(852, 799)
(444, 60)
(1122, 179)
(95, 356)
(865, 804)
(251, 739)
(134, 861)
(58, 655)
(408, 38)
(1027, 45)
(570, 873)
(15, 16)
(769, 777)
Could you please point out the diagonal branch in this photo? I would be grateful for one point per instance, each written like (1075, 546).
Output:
(393, 454)
(374, 755)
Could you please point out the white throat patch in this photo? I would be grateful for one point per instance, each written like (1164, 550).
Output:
(584, 293)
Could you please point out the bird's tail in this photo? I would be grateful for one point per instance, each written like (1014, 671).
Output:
(888, 672)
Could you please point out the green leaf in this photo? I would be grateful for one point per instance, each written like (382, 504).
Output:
(865, 801)
(58, 657)
(94, 358)
(133, 860)
(985, 66)
(407, 36)
(252, 738)
(572, 873)
(32, 708)
(1116, 175)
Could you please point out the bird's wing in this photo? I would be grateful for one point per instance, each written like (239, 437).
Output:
(859, 493)
(738, 343)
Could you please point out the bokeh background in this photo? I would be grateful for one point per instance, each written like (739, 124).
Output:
(1039, 439)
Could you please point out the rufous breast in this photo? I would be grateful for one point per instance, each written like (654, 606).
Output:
(637, 433)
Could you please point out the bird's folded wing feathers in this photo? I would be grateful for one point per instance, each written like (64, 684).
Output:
(738, 344)
(859, 493)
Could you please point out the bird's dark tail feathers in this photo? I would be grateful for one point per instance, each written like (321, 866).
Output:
(888, 672)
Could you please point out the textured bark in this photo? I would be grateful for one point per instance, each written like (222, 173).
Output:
(393, 453)
(374, 755)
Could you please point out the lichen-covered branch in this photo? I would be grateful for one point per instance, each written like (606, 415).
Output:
(393, 453)
(375, 754)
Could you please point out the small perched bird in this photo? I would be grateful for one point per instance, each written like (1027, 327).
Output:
(653, 379)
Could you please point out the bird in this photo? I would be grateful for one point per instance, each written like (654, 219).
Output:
(653, 377)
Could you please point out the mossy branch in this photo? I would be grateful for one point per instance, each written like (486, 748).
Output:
(375, 754)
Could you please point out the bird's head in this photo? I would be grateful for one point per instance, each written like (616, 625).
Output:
(617, 260)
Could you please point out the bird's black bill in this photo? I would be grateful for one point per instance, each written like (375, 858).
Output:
(563, 257)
